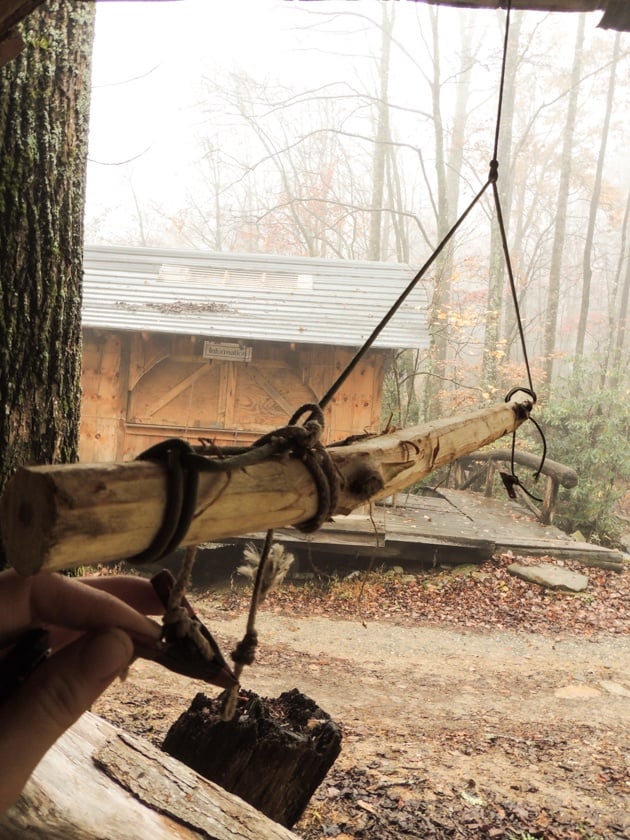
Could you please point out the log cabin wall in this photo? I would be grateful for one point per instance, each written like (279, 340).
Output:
(140, 388)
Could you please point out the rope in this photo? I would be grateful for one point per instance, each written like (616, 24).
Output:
(245, 651)
(345, 373)
(183, 463)
(177, 620)
(493, 176)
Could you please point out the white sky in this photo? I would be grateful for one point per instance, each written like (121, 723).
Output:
(150, 56)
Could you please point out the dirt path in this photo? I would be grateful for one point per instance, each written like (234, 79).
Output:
(447, 732)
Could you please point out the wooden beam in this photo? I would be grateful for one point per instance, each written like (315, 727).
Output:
(11, 45)
(13, 11)
(58, 517)
(616, 12)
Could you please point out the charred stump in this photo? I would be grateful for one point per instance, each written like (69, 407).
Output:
(274, 753)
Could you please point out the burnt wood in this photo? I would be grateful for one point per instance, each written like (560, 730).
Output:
(274, 754)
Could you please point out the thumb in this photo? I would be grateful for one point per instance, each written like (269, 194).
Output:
(52, 699)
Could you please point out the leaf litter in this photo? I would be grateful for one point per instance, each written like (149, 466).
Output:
(532, 781)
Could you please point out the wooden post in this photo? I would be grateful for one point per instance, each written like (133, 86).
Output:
(59, 517)
(549, 502)
(274, 754)
(491, 471)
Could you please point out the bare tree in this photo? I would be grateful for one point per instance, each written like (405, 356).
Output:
(587, 262)
(553, 296)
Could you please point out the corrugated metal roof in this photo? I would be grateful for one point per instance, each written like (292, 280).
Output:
(246, 296)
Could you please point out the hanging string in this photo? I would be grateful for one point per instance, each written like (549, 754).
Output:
(345, 373)
(246, 649)
(497, 127)
(493, 176)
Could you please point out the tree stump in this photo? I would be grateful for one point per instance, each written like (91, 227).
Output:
(273, 754)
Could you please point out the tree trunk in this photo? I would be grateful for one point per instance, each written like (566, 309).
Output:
(382, 136)
(587, 267)
(553, 296)
(44, 101)
(623, 310)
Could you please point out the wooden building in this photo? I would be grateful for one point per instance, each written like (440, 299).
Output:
(226, 346)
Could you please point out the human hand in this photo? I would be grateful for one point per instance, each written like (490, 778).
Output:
(91, 622)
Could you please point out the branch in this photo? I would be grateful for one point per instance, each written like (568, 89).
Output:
(63, 516)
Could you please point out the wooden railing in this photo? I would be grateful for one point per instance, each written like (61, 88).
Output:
(481, 468)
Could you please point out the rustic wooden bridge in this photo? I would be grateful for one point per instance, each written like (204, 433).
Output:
(444, 528)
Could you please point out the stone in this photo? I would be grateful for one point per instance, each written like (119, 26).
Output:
(577, 692)
(464, 569)
(550, 576)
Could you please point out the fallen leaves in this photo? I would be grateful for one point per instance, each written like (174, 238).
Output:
(361, 809)
(485, 598)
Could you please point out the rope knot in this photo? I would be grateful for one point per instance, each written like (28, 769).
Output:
(245, 651)
(177, 621)
(493, 175)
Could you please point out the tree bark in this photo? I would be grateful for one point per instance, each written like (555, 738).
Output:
(44, 99)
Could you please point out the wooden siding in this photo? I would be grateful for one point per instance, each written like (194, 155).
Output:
(141, 388)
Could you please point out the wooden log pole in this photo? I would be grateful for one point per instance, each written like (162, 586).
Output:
(63, 516)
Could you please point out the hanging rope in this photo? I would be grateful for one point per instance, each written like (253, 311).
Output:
(185, 462)
(245, 651)
(493, 176)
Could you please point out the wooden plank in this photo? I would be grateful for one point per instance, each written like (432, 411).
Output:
(58, 517)
(11, 45)
(13, 11)
(227, 395)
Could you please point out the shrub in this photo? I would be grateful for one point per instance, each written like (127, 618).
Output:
(587, 426)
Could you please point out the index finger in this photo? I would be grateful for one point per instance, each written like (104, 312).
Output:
(65, 602)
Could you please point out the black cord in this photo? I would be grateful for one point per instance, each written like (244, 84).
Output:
(345, 373)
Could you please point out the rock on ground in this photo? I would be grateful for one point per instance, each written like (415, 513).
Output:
(550, 576)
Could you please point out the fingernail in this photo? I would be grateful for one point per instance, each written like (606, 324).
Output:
(106, 654)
